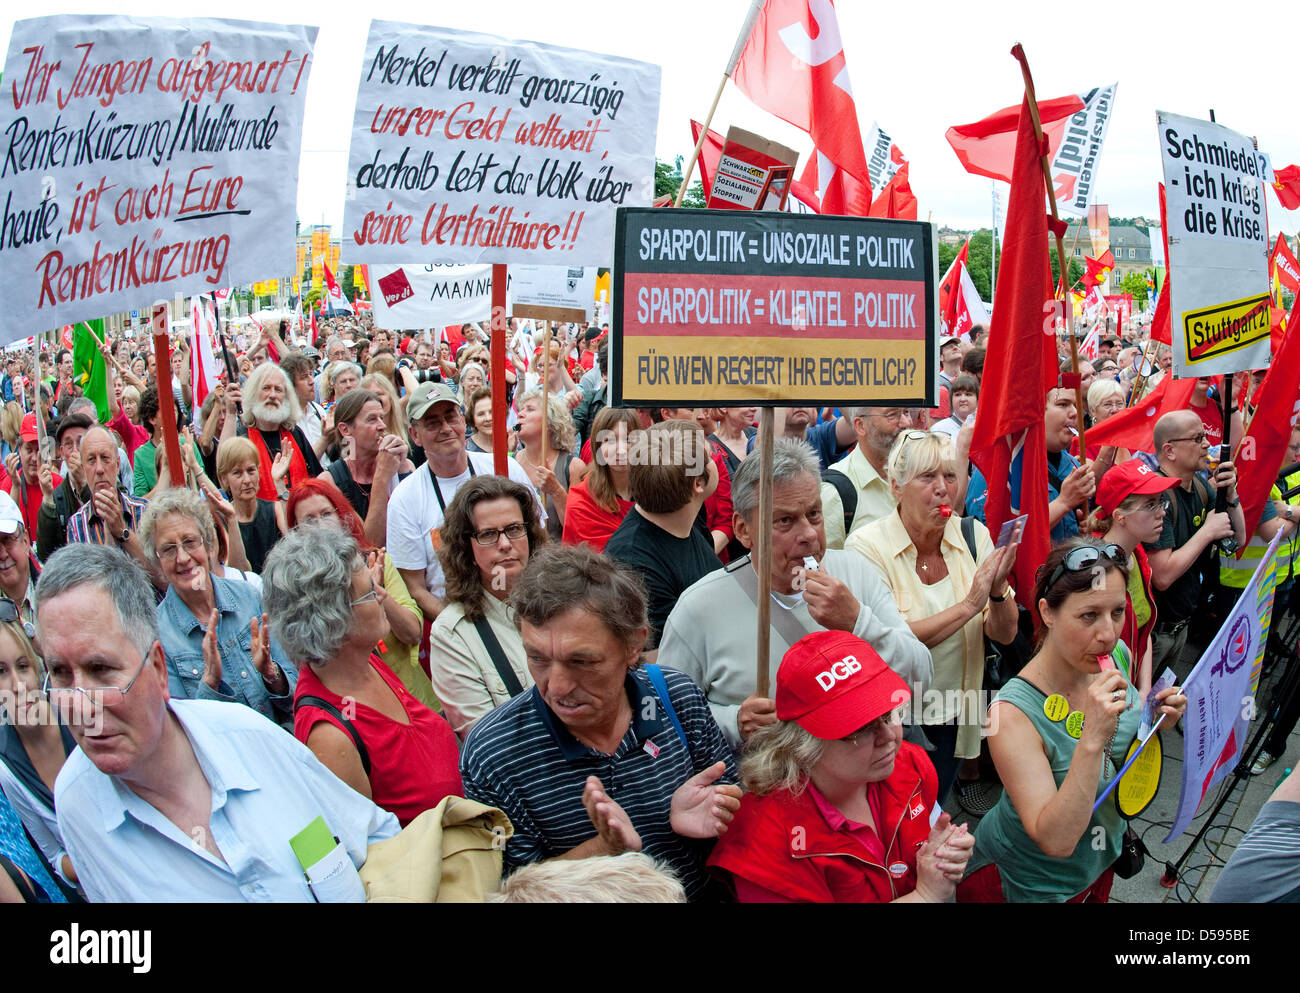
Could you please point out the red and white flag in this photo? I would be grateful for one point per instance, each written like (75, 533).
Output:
(1091, 343)
(789, 60)
(960, 305)
(896, 200)
(1286, 184)
(337, 300)
(203, 361)
(1283, 265)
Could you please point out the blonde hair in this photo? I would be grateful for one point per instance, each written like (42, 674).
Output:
(632, 877)
(1101, 390)
(379, 383)
(11, 423)
(915, 452)
(780, 756)
(562, 434)
(234, 452)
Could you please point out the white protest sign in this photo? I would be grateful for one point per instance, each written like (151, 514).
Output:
(471, 148)
(409, 297)
(883, 157)
(570, 288)
(1218, 247)
(146, 158)
(1074, 169)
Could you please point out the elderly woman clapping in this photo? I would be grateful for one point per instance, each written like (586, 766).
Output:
(950, 586)
(212, 630)
(350, 709)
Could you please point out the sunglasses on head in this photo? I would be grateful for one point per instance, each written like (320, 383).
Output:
(1085, 557)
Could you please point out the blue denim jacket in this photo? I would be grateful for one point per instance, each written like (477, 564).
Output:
(182, 642)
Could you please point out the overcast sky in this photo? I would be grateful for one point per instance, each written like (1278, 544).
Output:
(917, 68)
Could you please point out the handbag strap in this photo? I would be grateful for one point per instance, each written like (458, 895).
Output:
(661, 689)
(499, 661)
(787, 625)
(321, 703)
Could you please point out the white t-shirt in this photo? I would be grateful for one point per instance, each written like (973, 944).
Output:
(414, 513)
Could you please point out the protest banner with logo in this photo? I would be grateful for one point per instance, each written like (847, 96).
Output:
(1074, 167)
(148, 158)
(752, 173)
(1218, 244)
(552, 292)
(411, 297)
(471, 148)
(724, 308)
(884, 158)
(1099, 229)
(1220, 692)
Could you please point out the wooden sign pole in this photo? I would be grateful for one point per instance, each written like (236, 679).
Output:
(498, 361)
(763, 547)
(166, 401)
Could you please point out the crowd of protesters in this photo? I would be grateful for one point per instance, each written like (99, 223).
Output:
(343, 611)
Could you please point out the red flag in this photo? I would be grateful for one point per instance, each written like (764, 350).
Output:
(792, 65)
(1098, 269)
(985, 147)
(1286, 184)
(896, 199)
(710, 155)
(1260, 454)
(337, 300)
(1162, 323)
(203, 362)
(1020, 366)
(1284, 265)
(314, 329)
(950, 283)
(1134, 428)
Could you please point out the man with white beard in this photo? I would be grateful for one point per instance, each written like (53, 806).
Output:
(270, 421)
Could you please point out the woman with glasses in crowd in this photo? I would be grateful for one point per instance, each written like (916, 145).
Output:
(1059, 732)
(837, 806)
(950, 585)
(33, 742)
(320, 501)
(212, 630)
(351, 710)
(476, 654)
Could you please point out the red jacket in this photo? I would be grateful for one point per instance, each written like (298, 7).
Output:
(783, 843)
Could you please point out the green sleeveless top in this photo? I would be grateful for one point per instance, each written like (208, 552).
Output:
(1028, 874)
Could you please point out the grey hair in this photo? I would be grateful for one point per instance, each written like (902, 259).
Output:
(336, 369)
(253, 386)
(114, 572)
(790, 459)
(307, 590)
(1101, 390)
(184, 503)
(778, 757)
(632, 877)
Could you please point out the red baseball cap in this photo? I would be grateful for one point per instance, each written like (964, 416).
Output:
(832, 683)
(1126, 479)
(28, 430)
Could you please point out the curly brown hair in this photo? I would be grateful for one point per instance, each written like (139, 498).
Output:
(455, 551)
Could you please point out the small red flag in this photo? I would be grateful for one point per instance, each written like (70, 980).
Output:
(710, 155)
(1162, 322)
(896, 199)
(1286, 184)
(1134, 428)
(1283, 264)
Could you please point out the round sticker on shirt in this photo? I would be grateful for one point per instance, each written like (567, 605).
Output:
(898, 870)
(1056, 707)
(1074, 724)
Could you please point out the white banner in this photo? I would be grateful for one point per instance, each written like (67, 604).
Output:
(471, 148)
(147, 158)
(883, 157)
(571, 287)
(1218, 246)
(411, 297)
(1157, 246)
(1074, 169)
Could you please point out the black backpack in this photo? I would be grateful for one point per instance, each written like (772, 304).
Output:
(848, 494)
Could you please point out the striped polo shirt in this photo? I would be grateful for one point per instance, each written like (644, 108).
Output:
(521, 759)
(86, 525)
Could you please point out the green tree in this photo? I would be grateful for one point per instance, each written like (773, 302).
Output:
(346, 284)
(668, 177)
(1136, 283)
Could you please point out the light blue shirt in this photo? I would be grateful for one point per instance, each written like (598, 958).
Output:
(181, 636)
(266, 787)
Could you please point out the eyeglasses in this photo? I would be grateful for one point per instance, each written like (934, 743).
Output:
(1198, 438)
(9, 613)
(1085, 557)
(192, 544)
(875, 727)
(63, 698)
(368, 597)
(894, 414)
(490, 536)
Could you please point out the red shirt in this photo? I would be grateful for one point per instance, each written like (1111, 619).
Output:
(786, 845)
(132, 435)
(1212, 417)
(412, 766)
(587, 522)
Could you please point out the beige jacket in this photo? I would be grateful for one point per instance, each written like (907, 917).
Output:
(461, 669)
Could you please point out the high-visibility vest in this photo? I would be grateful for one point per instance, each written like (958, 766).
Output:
(1236, 572)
